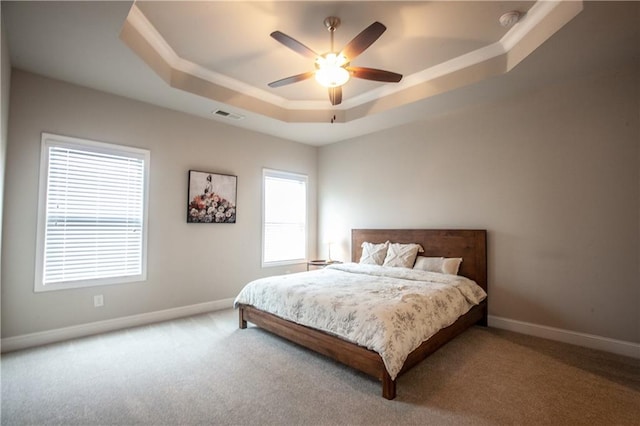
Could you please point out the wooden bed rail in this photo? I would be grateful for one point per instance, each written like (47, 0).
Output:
(358, 357)
(355, 356)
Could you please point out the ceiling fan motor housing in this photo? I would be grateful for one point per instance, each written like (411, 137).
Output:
(332, 22)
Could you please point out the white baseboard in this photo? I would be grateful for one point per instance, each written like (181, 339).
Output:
(619, 347)
(57, 335)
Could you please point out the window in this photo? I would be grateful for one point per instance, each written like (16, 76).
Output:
(92, 214)
(284, 227)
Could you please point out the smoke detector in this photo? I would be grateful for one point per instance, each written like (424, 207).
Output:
(510, 18)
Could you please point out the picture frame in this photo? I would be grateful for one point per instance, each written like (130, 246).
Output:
(211, 197)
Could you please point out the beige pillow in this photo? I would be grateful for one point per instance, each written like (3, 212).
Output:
(450, 265)
(374, 254)
(402, 255)
(431, 264)
(444, 265)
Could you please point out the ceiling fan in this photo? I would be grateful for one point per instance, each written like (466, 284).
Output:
(333, 69)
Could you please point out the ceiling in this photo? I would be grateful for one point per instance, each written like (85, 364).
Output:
(201, 57)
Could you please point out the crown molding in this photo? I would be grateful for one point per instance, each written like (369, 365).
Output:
(537, 25)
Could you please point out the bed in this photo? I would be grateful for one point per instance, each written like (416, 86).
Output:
(470, 245)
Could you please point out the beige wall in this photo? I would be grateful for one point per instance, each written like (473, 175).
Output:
(5, 81)
(552, 175)
(187, 263)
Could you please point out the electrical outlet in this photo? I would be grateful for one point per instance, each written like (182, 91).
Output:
(98, 300)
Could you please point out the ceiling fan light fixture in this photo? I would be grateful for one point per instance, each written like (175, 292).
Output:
(330, 71)
(333, 70)
(332, 76)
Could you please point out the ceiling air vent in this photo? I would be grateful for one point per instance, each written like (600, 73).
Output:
(228, 115)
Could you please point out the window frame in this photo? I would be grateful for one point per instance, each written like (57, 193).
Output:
(266, 172)
(54, 140)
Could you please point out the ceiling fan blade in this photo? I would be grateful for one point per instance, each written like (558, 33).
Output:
(292, 79)
(335, 95)
(363, 40)
(374, 74)
(294, 44)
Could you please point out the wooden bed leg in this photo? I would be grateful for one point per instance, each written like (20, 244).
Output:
(388, 386)
(484, 321)
(243, 322)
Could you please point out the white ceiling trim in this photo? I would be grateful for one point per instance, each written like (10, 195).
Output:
(537, 13)
(146, 29)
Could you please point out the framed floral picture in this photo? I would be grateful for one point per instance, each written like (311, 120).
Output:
(212, 197)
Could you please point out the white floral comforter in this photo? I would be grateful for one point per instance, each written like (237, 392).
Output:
(388, 310)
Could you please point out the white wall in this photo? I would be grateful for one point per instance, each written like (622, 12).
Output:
(552, 175)
(187, 263)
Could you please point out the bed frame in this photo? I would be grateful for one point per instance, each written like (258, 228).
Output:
(471, 245)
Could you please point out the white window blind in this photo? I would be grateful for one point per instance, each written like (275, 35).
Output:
(284, 217)
(92, 224)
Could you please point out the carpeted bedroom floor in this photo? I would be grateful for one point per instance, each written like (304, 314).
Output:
(204, 370)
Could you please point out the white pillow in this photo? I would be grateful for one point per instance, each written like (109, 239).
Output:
(374, 254)
(402, 255)
(442, 265)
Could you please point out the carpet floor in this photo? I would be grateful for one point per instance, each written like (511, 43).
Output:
(204, 370)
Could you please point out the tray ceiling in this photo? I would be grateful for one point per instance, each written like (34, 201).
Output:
(203, 57)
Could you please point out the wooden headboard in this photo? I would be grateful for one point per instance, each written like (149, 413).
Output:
(470, 245)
